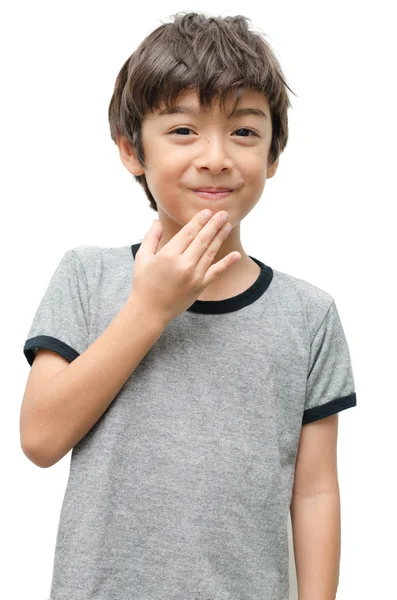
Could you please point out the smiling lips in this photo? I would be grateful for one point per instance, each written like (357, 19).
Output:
(213, 195)
(215, 190)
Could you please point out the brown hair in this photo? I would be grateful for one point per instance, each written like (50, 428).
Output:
(211, 55)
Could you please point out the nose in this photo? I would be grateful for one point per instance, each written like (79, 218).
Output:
(213, 154)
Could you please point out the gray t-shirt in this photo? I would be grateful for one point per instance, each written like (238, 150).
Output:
(182, 489)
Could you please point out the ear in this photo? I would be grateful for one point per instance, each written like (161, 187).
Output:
(272, 169)
(128, 156)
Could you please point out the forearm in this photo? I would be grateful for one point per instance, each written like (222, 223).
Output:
(69, 404)
(317, 544)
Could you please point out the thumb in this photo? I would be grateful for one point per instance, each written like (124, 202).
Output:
(152, 238)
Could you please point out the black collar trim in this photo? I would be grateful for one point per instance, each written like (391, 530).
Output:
(257, 289)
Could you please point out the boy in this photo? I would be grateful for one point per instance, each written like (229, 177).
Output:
(197, 386)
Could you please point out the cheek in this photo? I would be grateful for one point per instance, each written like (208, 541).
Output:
(163, 181)
(169, 163)
(254, 170)
(259, 156)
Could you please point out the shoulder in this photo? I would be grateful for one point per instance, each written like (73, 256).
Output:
(313, 301)
(91, 257)
(84, 254)
(101, 266)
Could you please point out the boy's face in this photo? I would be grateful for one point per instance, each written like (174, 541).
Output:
(209, 150)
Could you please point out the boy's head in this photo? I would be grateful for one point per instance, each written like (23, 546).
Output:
(216, 66)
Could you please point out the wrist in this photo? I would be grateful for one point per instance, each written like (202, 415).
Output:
(153, 319)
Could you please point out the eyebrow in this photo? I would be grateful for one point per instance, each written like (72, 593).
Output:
(191, 111)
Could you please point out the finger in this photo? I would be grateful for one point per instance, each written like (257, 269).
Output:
(208, 256)
(205, 238)
(218, 268)
(188, 233)
(152, 238)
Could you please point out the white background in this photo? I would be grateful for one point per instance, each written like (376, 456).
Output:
(326, 217)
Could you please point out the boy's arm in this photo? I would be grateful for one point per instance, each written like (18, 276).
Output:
(69, 404)
(315, 511)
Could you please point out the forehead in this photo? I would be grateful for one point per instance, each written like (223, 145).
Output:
(250, 99)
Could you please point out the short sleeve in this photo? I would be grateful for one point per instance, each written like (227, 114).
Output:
(61, 321)
(330, 383)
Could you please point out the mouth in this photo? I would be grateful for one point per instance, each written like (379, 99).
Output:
(214, 189)
(213, 193)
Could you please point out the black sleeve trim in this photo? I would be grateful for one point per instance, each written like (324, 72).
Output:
(329, 408)
(51, 343)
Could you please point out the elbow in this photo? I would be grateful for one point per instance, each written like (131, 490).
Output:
(36, 455)
(37, 450)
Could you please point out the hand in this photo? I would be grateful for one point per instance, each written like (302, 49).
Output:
(170, 281)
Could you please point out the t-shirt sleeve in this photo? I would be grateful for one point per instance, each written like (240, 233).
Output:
(330, 383)
(61, 321)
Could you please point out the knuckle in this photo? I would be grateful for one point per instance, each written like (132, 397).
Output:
(187, 270)
(211, 253)
(196, 281)
(190, 234)
(203, 240)
(217, 270)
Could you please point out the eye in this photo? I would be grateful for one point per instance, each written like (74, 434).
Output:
(245, 129)
(188, 129)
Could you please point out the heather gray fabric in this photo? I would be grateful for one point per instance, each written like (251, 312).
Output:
(182, 489)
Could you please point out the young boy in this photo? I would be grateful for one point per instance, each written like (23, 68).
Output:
(197, 386)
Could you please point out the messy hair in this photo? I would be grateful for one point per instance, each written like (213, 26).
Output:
(214, 56)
